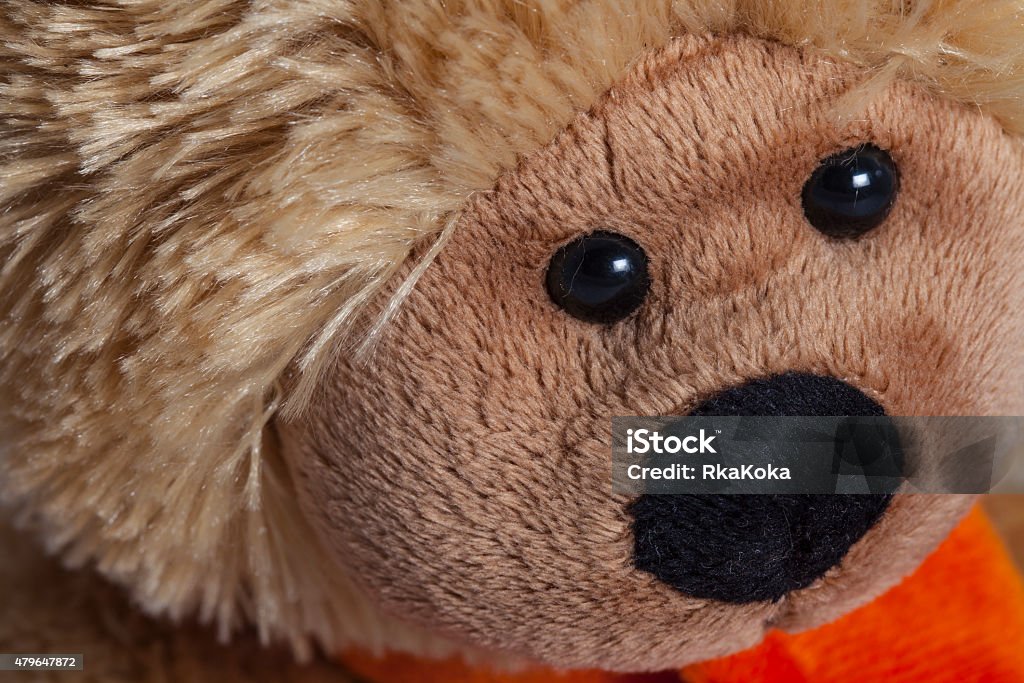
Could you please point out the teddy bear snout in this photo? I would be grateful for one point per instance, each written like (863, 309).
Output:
(753, 548)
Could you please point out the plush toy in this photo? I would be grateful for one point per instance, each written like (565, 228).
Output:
(315, 314)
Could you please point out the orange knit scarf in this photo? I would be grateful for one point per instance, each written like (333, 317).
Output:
(960, 617)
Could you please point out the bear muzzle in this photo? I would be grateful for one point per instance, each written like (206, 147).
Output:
(753, 548)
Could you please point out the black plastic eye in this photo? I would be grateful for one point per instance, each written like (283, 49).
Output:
(599, 278)
(851, 192)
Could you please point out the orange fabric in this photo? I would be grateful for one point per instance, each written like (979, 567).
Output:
(959, 617)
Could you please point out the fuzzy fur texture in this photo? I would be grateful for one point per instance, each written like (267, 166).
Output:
(47, 608)
(461, 473)
(197, 197)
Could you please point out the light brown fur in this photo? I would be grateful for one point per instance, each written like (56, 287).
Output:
(49, 609)
(462, 473)
(200, 198)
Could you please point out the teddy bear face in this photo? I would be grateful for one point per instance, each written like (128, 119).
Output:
(461, 471)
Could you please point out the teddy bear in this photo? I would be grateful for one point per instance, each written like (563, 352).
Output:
(315, 314)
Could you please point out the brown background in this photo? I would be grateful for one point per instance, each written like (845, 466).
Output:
(1008, 513)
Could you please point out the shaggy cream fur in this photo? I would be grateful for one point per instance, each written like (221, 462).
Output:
(197, 196)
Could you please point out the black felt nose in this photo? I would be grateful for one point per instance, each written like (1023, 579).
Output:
(753, 548)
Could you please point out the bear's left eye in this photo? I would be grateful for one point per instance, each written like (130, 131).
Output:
(599, 278)
(852, 192)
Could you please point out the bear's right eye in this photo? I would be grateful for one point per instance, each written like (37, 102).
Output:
(599, 278)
